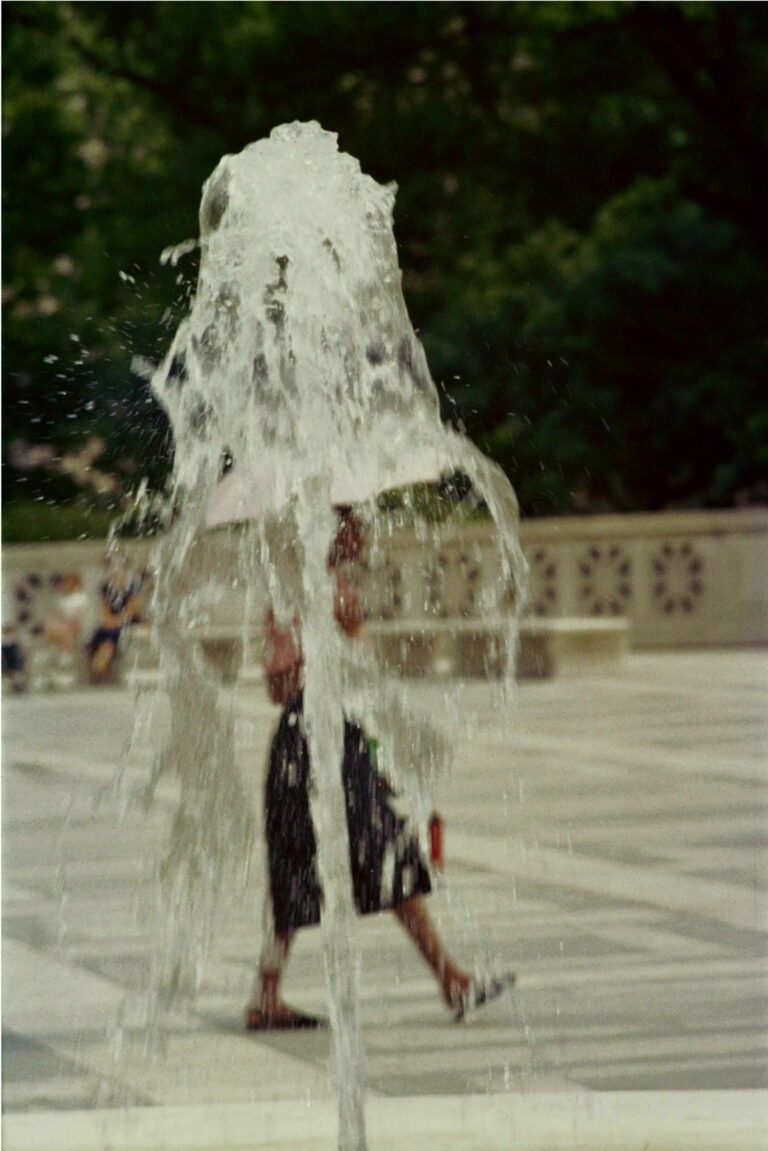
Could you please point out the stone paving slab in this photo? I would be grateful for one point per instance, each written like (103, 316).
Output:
(610, 847)
(619, 1121)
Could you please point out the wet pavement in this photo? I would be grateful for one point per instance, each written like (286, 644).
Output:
(612, 850)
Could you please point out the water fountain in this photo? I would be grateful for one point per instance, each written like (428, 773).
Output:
(298, 362)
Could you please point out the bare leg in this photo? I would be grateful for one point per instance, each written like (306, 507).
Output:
(103, 658)
(454, 983)
(268, 1012)
(271, 967)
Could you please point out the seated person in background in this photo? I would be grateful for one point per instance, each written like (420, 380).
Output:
(65, 623)
(14, 664)
(120, 607)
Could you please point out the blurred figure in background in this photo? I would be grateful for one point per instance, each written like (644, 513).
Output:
(120, 607)
(14, 663)
(64, 625)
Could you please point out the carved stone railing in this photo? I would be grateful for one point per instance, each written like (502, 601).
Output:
(679, 578)
(688, 579)
(682, 579)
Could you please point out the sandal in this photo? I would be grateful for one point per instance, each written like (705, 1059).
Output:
(481, 991)
(284, 1019)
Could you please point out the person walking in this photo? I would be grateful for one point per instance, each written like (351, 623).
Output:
(387, 868)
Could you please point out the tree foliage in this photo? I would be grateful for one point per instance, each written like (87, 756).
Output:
(580, 222)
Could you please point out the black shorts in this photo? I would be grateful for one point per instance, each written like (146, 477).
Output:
(101, 636)
(385, 862)
(13, 658)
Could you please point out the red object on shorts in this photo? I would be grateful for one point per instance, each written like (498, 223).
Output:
(436, 841)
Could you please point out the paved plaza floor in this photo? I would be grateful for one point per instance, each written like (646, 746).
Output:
(611, 848)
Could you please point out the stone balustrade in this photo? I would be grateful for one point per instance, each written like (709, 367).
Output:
(682, 579)
(679, 579)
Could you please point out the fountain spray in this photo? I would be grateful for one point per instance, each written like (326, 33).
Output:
(297, 362)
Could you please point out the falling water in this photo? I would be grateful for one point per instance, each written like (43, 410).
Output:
(298, 362)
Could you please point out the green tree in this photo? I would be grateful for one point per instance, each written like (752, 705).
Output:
(579, 220)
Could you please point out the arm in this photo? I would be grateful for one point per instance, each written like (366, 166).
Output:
(346, 608)
(283, 660)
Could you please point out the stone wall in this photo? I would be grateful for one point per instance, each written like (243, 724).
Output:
(683, 579)
(688, 579)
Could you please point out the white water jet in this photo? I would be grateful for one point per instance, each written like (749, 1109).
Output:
(297, 361)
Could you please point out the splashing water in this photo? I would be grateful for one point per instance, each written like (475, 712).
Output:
(297, 361)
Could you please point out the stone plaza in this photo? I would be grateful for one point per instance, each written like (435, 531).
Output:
(610, 846)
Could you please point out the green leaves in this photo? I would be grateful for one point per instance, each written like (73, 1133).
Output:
(580, 217)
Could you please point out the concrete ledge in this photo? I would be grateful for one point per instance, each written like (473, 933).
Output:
(564, 1121)
(468, 647)
(151, 678)
(570, 647)
(475, 647)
